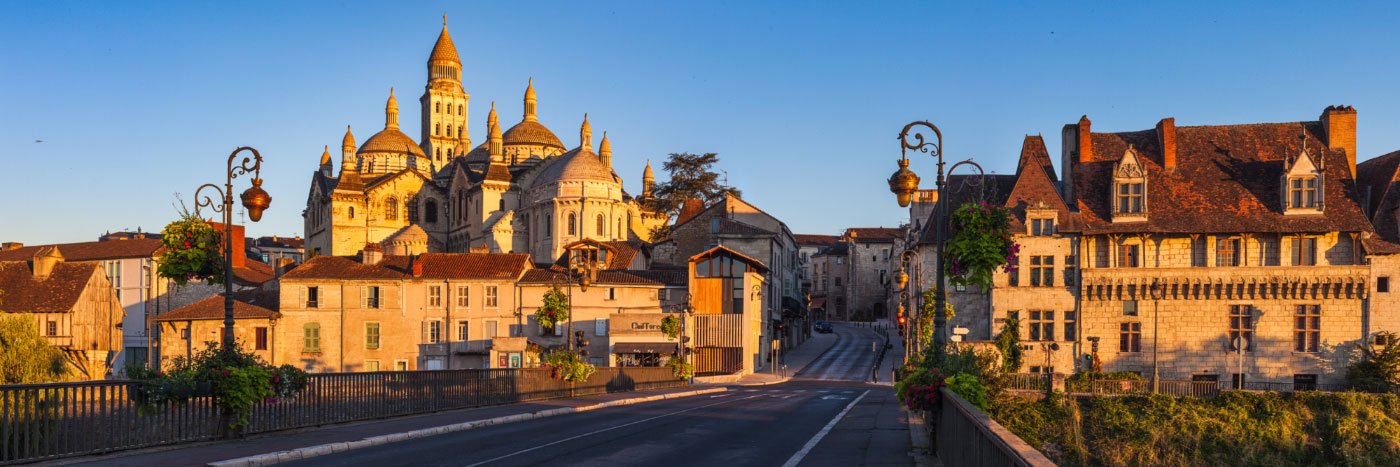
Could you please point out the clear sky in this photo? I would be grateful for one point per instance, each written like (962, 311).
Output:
(801, 100)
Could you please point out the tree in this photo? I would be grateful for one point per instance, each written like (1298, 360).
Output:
(1009, 343)
(1379, 369)
(25, 357)
(691, 178)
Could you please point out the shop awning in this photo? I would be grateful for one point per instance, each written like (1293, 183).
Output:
(645, 347)
(818, 303)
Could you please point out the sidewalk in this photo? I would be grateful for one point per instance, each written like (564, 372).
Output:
(309, 442)
(794, 360)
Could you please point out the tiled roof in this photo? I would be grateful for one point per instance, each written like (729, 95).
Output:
(443, 49)
(248, 304)
(605, 277)
(473, 265)
(1227, 179)
(623, 253)
(836, 249)
(690, 209)
(873, 234)
(528, 132)
(497, 173)
(1033, 151)
(816, 240)
(1379, 178)
(757, 265)
(412, 233)
(350, 181)
(731, 226)
(577, 164)
(57, 293)
(670, 277)
(278, 242)
(1035, 186)
(342, 267)
(252, 273)
(92, 251)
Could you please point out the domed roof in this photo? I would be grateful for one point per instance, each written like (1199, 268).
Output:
(391, 140)
(528, 132)
(575, 165)
(410, 234)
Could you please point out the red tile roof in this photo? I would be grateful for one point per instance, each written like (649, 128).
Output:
(816, 240)
(1035, 186)
(343, 267)
(248, 304)
(872, 234)
(606, 277)
(1379, 179)
(691, 208)
(92, 251)
(473, 265)
(1227, 179)
(21, 292)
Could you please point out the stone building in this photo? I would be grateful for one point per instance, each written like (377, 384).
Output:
(1180, 242)
(871, 256)
(73, 306)
(520, 191)
(829, 280)
(807, 247)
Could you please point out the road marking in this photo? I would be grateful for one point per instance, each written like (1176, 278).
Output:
(571, 438)
(797, 457)
(835, 397)
(721, 395)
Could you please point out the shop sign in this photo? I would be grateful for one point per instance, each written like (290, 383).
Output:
(635, 323)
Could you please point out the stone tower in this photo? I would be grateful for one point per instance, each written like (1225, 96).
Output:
(444, 104)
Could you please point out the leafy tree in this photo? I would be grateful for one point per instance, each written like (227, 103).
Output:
(25, 357)
(1379, 369)
(691, 178)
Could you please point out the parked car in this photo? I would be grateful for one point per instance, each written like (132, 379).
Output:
(823, 327)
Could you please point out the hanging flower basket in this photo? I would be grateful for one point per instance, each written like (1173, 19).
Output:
(555, 310)
(671, 326)
(192, 251)
(981, 242)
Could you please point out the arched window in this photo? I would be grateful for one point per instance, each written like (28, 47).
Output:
(459, 132)
(449, 130)
(502, 205)
(437, 129)
(619, 227)
(430, 214)
(459, 109)
(411, 206)
(437, 107)
(547, 224)
(600, 225)
(352, 212)
(391, 209)
(573, 223)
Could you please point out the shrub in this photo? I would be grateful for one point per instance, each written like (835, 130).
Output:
(1378, 370)
(568, 366)
(1009, 343)
(679, 367)
(970, 389)
(25, 357)
(671, 326)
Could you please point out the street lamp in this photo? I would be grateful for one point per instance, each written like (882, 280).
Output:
(1158, 290)
(254, 199)
(904, 183)
(684, 310)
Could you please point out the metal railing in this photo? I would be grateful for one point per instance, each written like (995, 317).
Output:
(964, 435)
(1142, 387)
(1027, 381)
(45, 421)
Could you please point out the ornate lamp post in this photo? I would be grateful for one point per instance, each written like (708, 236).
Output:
(254, 199)
(904, 183)
(901, 280)
(1158, 291)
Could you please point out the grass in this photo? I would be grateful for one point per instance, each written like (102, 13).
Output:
(1235, 428)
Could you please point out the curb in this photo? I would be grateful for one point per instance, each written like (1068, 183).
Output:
(333, 448)
(919, 440)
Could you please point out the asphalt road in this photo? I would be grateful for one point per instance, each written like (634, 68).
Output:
(813, 422)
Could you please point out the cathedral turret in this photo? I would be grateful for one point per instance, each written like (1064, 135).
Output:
(605, 151)
(491, 119)
(530, 102)
(443, 62)
(496, 145)
(647, 180)
(347, 152)
(391, 112)
(443, 104)
(326, 161)
(585, 136)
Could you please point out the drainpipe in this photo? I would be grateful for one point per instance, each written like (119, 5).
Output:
(342, 326)
(447, 308)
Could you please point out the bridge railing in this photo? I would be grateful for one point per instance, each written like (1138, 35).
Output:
(966, 436)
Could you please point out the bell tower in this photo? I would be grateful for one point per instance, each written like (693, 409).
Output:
(444, 103)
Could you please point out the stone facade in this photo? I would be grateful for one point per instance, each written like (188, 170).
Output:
(872, 258)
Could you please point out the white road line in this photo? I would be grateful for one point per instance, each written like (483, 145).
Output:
(571, 438)
(811, 443)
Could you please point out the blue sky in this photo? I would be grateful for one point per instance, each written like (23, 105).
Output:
(801, 100)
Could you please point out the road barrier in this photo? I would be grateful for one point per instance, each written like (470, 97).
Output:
(966, 436)
(46, 421)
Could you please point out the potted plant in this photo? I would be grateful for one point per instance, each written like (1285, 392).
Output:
(192, 251)
(679, 367)
(568, 366)
(981, 242)
(236, 379)
(555, 310)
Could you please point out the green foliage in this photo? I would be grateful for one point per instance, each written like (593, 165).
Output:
(1235, 428)
(679, 367)
(192, 251)
(1109, 376)
(25, 357)
(1378, 370)
(981, 242)
(236, 378)
(568, 366)
(691, 178)
(918, 388)
(671, 326)
(970, 389)
(555, 309)
(924, 324)
(237, 389)
(1009, 343)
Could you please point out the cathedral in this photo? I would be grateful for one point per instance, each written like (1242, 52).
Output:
(521, 191)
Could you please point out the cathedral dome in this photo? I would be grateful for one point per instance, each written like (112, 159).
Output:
(391, 140)
(576, 165)
(530, 132)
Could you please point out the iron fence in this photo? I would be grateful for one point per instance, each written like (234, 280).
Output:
(964, 435)
(1027, 381)
(45, 421)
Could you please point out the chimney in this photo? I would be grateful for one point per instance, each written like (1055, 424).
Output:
(1075, 147)
(1166, 137)
(7, 246)
(240, 255)
(417, 266)
(1339, 124)
(45, 260)
(371, 254)
(1082, 142)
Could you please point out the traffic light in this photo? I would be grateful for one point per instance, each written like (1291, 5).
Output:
(581, 344)
(901, 325)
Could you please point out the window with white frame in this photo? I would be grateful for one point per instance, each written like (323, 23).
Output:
(464, 296)
(490, 296)
(432, 332)
(435, 296)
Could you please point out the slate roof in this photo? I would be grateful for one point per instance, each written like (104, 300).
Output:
(93, 251)
(733, 227)
(57, 293)
(1227, 180)
(1381, 176)
(837, 249)
(248, 304)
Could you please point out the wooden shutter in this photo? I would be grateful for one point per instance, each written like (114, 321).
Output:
(301, 296)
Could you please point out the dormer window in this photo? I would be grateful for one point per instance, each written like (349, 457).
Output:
(1302, 186)
(1302, 193)
(1129, 189)
(1040, 220)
